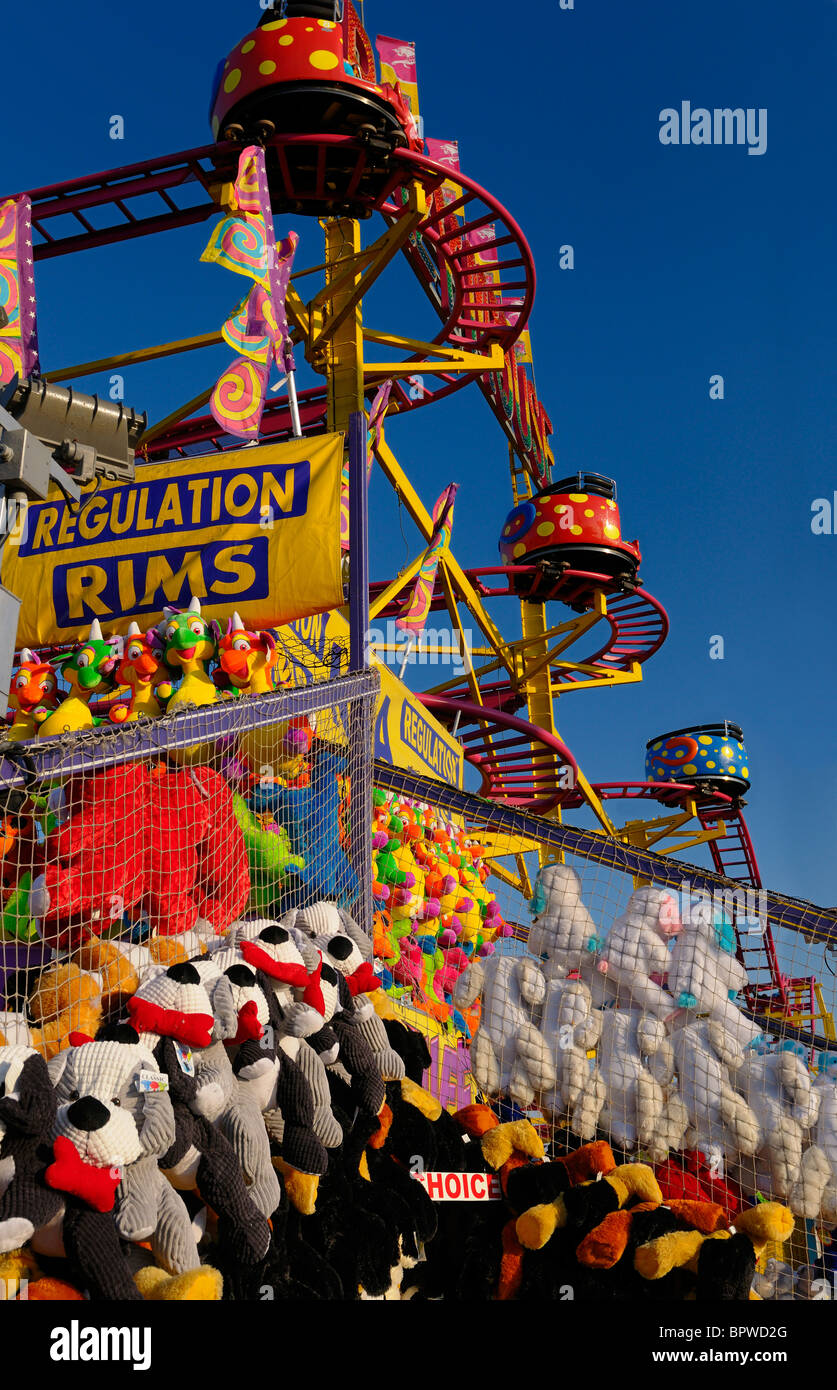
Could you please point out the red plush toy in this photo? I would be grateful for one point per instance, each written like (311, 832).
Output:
(688, 1175)
(136, 837)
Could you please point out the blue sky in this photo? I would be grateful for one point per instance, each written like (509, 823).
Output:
(688, 262)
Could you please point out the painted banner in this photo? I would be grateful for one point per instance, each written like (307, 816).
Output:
(461, 1187)
(415, 615)
(244, 242)
(481, 266)
(255, 530)
(398, 65)
(19, 337)
(446, 153)
(406, 734)
(522, 350)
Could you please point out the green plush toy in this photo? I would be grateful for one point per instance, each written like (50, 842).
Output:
(16, 920)
(272, 863)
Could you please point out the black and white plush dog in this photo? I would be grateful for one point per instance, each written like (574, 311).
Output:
(27, 1116)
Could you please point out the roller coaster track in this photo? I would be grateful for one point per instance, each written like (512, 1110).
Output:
(182, 190)
(637, 624)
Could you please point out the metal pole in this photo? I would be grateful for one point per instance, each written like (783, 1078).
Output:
(362, 711)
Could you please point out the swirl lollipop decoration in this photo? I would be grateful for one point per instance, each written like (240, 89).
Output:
(9, 294)
(18, 337)
(239, 244)
(237, 402)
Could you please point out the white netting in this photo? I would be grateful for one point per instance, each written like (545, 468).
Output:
(613, 1005)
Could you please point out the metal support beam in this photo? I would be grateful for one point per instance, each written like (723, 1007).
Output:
(360, 715)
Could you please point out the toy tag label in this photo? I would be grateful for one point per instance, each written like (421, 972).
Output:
(152, 1081)
(461, 1187)
(184, 1058)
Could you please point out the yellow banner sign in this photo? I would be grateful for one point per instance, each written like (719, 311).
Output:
(257, 530)
(406, 735)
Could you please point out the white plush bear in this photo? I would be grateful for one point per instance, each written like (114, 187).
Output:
(508, 1054)
(562, 932)
(704, 974)
(814, 1193)
(637, 1067)
(570, 1027)
(636, 953)
(776, 1283)
(777, 1087)
(721, 1123)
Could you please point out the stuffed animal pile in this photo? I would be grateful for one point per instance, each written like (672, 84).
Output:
(162, 1113)
(253, 1118)
(637, 1037)
(182, 663)
(434, 911)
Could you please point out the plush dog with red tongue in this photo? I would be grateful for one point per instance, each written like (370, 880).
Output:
(269, 1077)
(186, 1028)
(113, 1122)
(275, 953)
(343, 945)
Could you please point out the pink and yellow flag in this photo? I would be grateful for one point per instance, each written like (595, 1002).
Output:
(237, 402)
(398, 65)
(415, 614)
(19, 337)
(258, 327)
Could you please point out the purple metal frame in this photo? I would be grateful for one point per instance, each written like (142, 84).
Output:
(49, 759)
(360, 721)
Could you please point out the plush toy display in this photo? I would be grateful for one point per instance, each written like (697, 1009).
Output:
(112, 1128)
(27, 1116)
(721, 1124)
(32, 698)
(141, 669)
(206, 1088)
(777, 1086)
(247, 664)
(311, 817)
(167, 843)
(636, 952)
(814, 1191)
(277, 875)
(89, 670)
(509, 1055)
(637, 1068)
(429, 880)
(174, 1017)
(570, 1028)
(704, 975)
(562, 928)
